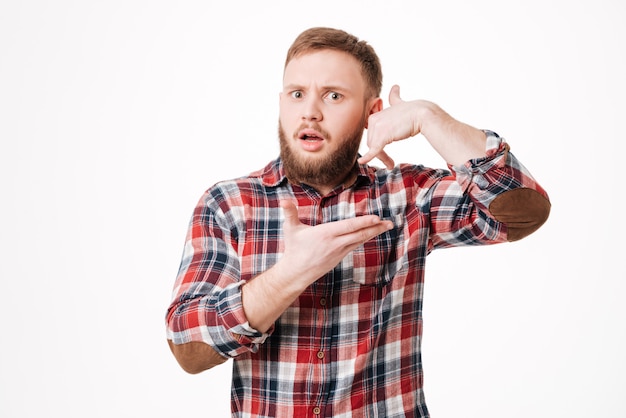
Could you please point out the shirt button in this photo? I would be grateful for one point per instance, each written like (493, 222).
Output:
(317, 410)
(323, 301)
(320, 355)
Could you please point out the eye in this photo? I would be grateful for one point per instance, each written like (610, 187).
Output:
(296, 94)
(334, 96)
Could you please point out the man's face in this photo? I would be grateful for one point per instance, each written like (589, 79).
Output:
(323, 112)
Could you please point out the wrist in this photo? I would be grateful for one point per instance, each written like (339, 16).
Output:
(429, 118)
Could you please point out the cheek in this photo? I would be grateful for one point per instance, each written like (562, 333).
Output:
(348, 120)
(285, 119)
(287, 112)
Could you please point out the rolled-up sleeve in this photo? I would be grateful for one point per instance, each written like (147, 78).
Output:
(487, 200)
(206, 304)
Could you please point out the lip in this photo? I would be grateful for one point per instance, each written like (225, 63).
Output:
(313, 134)
(310, 140)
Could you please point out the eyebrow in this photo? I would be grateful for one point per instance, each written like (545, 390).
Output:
(332, 87)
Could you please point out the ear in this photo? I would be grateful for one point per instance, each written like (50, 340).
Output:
(374, 105)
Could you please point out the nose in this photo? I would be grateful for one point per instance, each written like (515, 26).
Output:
(312, 110)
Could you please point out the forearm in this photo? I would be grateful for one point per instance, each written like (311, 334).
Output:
(264, 299)
(268, 295)
(455, 141)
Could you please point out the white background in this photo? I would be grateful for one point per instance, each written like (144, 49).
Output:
(115, 116)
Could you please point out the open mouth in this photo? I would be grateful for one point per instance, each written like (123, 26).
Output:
(311, 140)
(310, 135)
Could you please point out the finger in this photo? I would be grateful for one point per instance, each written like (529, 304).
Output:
(385, 159)
(356, 237)
(373, 148)
(369, 156)
(381, 155)
(291, 213)
(358, 225)
(394, 95)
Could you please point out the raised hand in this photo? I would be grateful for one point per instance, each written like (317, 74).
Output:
(395, 123)
(455, 141)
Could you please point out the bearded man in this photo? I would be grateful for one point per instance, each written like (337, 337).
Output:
(309, 273)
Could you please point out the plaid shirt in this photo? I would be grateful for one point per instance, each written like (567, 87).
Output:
(349, 346)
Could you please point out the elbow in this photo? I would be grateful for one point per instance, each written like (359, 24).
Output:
(190, 367)
(522, 210)
(195, 357)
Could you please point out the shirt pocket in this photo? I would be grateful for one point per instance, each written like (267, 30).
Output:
(376, 262)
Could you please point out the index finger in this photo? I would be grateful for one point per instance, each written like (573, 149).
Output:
(360, 230)
(359, 224)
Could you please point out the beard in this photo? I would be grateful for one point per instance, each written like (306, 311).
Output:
(328, 170)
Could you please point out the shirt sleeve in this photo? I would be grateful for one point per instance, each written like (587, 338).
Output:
(459, 204)
(207, 304)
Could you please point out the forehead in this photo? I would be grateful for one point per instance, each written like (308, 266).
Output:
(326, 68)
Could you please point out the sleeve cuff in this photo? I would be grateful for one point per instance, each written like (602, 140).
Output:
(472, 171)
(235, 336)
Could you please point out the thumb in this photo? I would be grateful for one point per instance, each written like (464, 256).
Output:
(291, 213)
(394, 95)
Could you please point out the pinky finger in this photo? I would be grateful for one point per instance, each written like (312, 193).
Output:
(386, 159)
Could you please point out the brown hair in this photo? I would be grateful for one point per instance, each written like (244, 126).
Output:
(327, 38)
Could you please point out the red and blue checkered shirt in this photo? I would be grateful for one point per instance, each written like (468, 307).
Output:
(349, 346)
